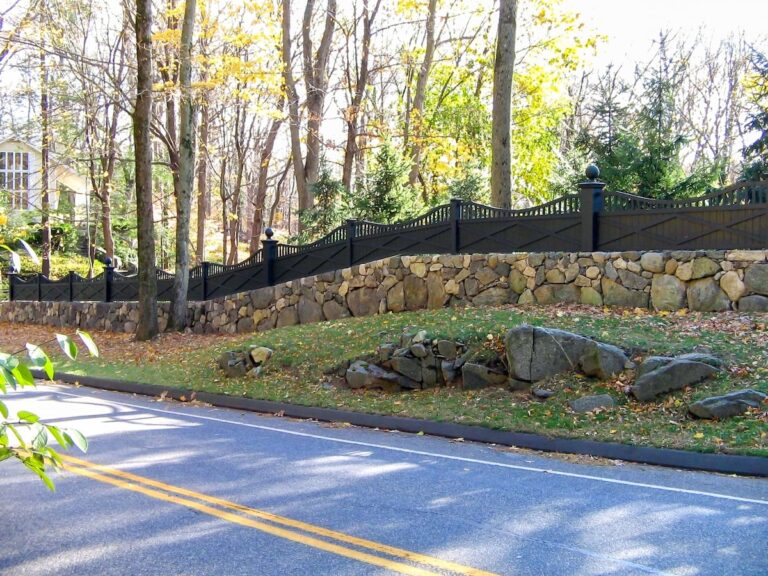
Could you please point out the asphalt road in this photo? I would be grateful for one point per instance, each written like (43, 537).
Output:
(176, 489)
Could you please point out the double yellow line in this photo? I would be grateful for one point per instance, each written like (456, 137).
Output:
(280, 526)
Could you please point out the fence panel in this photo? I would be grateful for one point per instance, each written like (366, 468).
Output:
(237, 280)
(84, 289)
(292, 264)
(54, 291)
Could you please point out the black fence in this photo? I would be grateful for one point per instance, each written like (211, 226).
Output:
(735, 217)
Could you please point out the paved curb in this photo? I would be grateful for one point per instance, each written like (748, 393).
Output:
(722, 463)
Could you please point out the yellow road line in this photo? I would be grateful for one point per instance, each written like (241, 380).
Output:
(339, 536)
(274, 530)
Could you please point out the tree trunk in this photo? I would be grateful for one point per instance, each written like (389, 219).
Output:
(203, 194)
(503, 68)
(142, 118)
(187, 145)
(45, 205)
(419, 97)
(261, 190)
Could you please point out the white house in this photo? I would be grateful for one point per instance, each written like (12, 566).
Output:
(21, 177)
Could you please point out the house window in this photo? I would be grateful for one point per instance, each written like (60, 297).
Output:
(14, 178)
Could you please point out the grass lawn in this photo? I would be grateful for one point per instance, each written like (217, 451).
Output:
(296, 372)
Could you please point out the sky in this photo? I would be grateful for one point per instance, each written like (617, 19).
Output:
(631, 26)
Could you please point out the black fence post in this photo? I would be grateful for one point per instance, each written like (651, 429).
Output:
(109, 277)
(71, 285)
(270, 255)
(39, 287)
(591, 195)
(204, 273)
(455, 217)
(11, 282)
(351, 228)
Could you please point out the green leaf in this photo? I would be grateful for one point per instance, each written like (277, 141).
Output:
(40, 440)
(14, 257)
(89, 343)
(3, 409)
(29, 250)
(75, 437)
(62, 439)
(40, 359)
(67, 345)
(5, 453)
(23, 375)
(27, 416)
(7, 377)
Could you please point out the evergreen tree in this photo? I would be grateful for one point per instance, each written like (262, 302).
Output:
(329, 209)
(756, 153)
(385, 196)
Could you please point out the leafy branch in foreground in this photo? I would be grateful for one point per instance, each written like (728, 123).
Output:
(23, 436)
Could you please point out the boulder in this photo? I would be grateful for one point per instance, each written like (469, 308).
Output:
(703, 267)
(703, 358)
(674, 375)
(756, 279)
(615, 294)
(436, 296)
(517, 281)
(653, 262)
(753, 303)
(591, 297)
(590, 403)
(705, 295)
(732, 285)
(632, 280)
(651, 363)
(446, 349)
(603, 361)
(332, 310)
(555, 293)
(309, 311)
(408, 367)
(419, 350)
(731, 404)
(415, 293)
(495, 296)
(667, 292)
(235, 364)
(363, 302)
(518, 344)
(361, 374)
(476, 376)
(259, 355)
(287, 317)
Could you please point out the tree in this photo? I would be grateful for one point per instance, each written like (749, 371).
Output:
(26, 438)
(147, 326)
(385, 197)
(187, 146)
(503, 69)
(756, 153)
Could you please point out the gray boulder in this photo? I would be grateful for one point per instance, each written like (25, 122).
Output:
(476, 376)
(756, 279)
(361, 374)
(651, 363)
(674, 375)
(603, 361)
(535, 353)
(753, 303)
(408, 367)
(731, 404)
(590, 403)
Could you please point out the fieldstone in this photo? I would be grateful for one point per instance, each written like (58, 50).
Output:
(408, 367)
(386, 351)
(485, 276)
(396, 298)
(555, 276)
(415, 293)
(732, 285)
(446, 349)
(332, 310)
(436, 296)
(518, 345)
(449, 372)
(653, 262)
(535, 353)
(582, 281)
(615, 294)
(361, 374)
(684, 271)
(705, 295)
(572, 272)
(753, 304)
(535, 260)
(259, 355)
(728, 405)
(419, 350)
(756, 279)
(651, 363)
(527, 297)
(713, 361)
(287, 317)
(363, 302)
(591, 403)
(495, 296)
(603, 361)
(419, 269)
(746, 256)
(476, 376)
(591, 297)
(235, 364)
(262, 298)
(668, 292)
(632, 280)
(674, 375)
(592, 272)
(309, 311)
(542, 393)
(555, 293)
(471, 287)
(517, 281)
(704, 267)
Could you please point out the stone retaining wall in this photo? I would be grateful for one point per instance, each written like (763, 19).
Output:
(702, 280)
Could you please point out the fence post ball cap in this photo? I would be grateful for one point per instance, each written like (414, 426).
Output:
(592, 172)
(108, 261)
(269, 233)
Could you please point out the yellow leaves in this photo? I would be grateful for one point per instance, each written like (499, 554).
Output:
(699, 435)
(167, 37)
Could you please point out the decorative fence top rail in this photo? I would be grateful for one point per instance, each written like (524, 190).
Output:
(735, 217)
